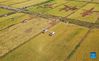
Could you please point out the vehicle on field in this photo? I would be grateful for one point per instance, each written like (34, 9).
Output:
(51, 33)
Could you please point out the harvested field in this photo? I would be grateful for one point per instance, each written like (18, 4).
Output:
(49, 30)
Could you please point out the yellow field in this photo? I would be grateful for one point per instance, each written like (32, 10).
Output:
(39, 9)
(97, 1)
(57, 6)
(19, 33)
(2, 0)
(90, 44)
(12, 2)
(4, 11)
(49, 48)
(56, 11)
(75, 23)
(12, 19)
(89, 18)
(28, 3)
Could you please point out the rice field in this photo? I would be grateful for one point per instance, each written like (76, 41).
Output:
(56, 10)
(4, 11)
(49, 30)
(12, 20)
(26, 4)
(63, 13)
(19, 33)
(90, 44)
(97, 1)
(92, 1)
(2, 1)
(10, 2)
(90, 17)
(47, 48)
(21, 3)
(44, 10)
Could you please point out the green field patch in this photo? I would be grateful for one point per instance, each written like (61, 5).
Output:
(4, 11)
(12, 20)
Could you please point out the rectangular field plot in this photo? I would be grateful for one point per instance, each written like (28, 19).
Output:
(49, 48)
(84, 0)
(43, 8)
(97, 1)
(1, 1)
(7, 21)
(4, 11)
(66, 9)
(18, 34)
(26, 4)
(90, 44)
(12, 2)
(89, 13)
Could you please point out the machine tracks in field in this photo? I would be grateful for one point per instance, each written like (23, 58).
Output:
(19, 45)
(79, 44)
(40, 32)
